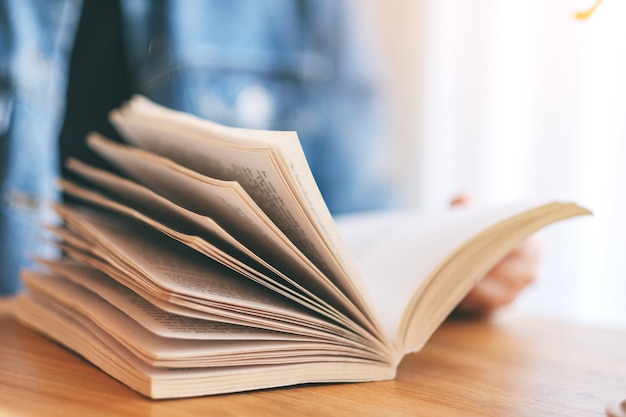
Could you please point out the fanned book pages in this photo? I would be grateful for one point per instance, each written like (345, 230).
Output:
(205, 261)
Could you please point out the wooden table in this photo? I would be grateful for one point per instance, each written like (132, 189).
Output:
(511, 367)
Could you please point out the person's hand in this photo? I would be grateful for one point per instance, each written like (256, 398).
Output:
(502, 285)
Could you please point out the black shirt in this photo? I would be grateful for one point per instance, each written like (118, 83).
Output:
(98, 80)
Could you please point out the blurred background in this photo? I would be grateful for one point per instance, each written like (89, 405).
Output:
(513, 100)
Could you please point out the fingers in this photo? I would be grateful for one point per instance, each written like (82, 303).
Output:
(494, 292)
(503, 284)
(530, 250)
(485, 298)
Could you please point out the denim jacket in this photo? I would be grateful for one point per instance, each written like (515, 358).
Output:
(274, 64)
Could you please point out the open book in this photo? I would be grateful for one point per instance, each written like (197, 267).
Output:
(209, 263)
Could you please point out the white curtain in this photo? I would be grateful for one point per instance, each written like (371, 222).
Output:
(510, 100)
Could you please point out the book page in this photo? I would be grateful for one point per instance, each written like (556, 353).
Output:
(155, 350)
(270, 166)
(193, 350)
(145, 205)
(399, 254)
(237, 257)
(174, 304)
(174, 272)
(230, 206)
(160, 322)
(84, 336)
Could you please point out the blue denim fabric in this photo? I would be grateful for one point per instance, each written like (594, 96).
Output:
(273, 64)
